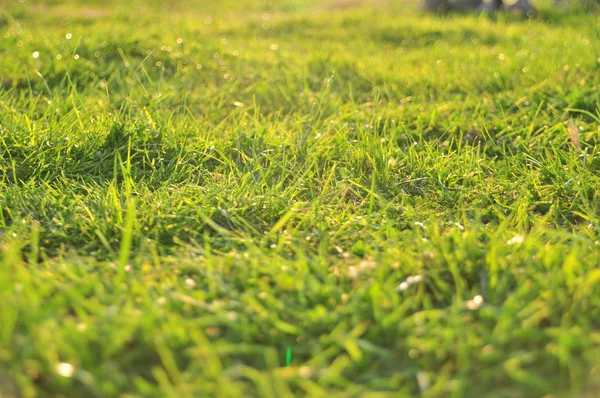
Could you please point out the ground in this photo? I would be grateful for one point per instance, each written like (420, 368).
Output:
(195, 195)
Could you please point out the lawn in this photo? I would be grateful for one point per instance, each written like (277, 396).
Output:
(297, 198)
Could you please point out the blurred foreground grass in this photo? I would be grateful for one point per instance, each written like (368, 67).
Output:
(187, 189)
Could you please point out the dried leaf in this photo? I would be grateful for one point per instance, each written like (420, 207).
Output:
(574, 134)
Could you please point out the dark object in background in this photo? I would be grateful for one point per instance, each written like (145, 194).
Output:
(522, 7)
(459, 5)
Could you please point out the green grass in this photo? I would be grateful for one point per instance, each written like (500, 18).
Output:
(186, 193)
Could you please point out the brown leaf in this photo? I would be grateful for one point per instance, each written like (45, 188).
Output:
(574, 134)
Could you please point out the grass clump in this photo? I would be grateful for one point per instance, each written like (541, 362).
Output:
(188, 190)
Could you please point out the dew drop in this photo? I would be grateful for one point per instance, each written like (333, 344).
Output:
(65, 369)
(190, 282)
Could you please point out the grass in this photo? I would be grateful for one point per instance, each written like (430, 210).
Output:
(188, 191)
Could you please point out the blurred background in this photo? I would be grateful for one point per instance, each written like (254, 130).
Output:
(202, 6)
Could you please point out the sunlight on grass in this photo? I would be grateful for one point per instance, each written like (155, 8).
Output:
(191, 191)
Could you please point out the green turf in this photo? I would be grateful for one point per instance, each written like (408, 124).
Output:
(193, 196)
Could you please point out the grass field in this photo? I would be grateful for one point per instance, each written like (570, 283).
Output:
(194, 195)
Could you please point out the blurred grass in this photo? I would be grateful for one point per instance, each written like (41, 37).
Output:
(187, 189)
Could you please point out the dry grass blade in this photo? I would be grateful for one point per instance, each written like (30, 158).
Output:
(574, 134)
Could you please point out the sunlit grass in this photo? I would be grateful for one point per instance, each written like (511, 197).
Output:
(188, 192)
